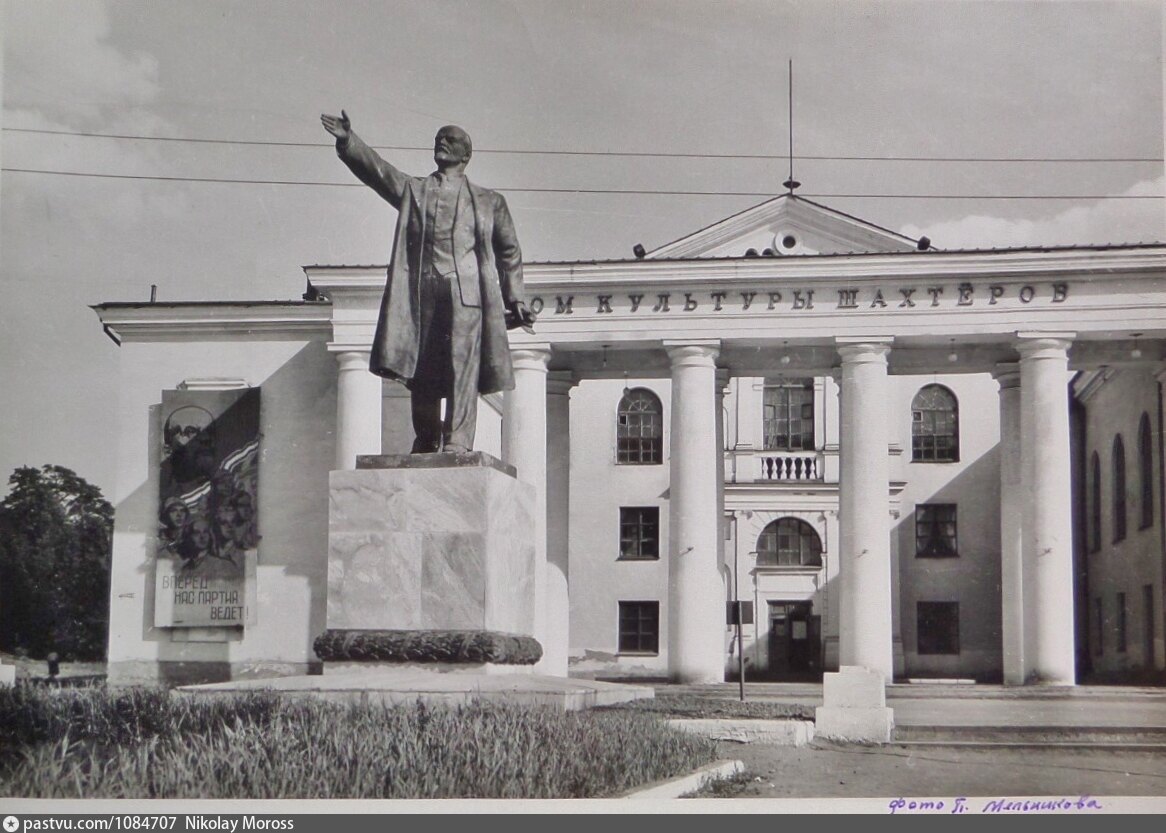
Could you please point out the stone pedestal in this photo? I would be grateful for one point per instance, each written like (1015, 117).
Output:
(854, 707)
(431, 560)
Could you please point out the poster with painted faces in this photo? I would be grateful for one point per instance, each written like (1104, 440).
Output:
(207, 520)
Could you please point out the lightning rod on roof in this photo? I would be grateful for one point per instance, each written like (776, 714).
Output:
(791, 183)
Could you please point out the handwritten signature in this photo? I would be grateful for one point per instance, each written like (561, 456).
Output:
(956, 806)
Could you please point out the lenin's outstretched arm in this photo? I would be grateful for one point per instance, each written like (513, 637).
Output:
(365, 162)
(372, 170)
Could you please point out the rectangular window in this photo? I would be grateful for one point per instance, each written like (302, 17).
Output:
(1121, 623)
(789, 415)
(935, 530)
(1098, 626)
(639, 627)
(639, 532)
(937, 627)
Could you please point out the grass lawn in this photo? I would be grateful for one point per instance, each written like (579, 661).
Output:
(146, 743)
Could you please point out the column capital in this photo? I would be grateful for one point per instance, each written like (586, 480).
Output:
(1007, 374)
(866, 349)
(560, 382)
(1032, 345)
(693, 352)
(349, 347)
(350, 359)
(530, 356)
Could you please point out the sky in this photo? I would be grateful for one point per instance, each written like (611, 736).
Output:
(692, 93)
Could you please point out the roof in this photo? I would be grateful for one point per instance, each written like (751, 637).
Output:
(787, 225)
(1080, 247)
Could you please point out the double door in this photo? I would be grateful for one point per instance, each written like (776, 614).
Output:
(795, 641)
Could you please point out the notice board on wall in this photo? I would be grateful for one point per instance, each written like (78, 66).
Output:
(208, 500)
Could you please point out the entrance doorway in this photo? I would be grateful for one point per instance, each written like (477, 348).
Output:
(795, 641)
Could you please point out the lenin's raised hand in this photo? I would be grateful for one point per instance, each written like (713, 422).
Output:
(338, 127)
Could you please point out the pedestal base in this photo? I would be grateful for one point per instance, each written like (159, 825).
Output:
(430, 560)
(407, 685)
(854, 707)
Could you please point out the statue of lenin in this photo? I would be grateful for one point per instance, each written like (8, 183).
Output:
(454, 286)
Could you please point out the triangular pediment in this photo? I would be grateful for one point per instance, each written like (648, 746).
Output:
(786, 225)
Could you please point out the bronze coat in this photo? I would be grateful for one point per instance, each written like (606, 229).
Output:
(492, 248)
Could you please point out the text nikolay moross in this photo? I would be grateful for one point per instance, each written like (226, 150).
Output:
(233, 824)
(139, 823)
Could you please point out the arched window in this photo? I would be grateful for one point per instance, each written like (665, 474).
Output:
(1095, 503)
(640, 431)
(1119, 489)
(935, 426)
(1146, 471)
(789, 542)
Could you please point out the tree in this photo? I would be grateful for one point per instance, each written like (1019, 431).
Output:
(56, 532)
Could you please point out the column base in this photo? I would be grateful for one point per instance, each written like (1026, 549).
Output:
(854, 708)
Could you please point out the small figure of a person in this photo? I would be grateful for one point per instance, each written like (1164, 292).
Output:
(245, 534)
(196, 545)
(173, 521)
(190, 441)
(222, 488)
(223, 531)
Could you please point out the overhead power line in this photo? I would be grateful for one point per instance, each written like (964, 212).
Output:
(632, 191)
(599, 153)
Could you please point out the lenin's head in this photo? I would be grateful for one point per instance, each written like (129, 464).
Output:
(452, 146)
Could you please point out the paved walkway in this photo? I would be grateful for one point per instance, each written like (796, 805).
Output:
(930, 705)
(1116, 740)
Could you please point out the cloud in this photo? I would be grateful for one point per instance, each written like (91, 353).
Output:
(1103, 221)
(61, 63)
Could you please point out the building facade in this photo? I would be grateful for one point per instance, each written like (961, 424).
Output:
(1120, 523)
(868, 439)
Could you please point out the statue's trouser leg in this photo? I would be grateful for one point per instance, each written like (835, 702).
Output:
(426, 405)
(431, 378)
(465, 354)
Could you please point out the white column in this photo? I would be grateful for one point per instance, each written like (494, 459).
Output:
(1011, 525)
(1048, 536)
(558, 605)
(831, 447)
(696, 611)
(865, 522)
(749, 412)
(524, 446)
(396, 419)
(747, 434)
(358, 408)
(723, 565)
